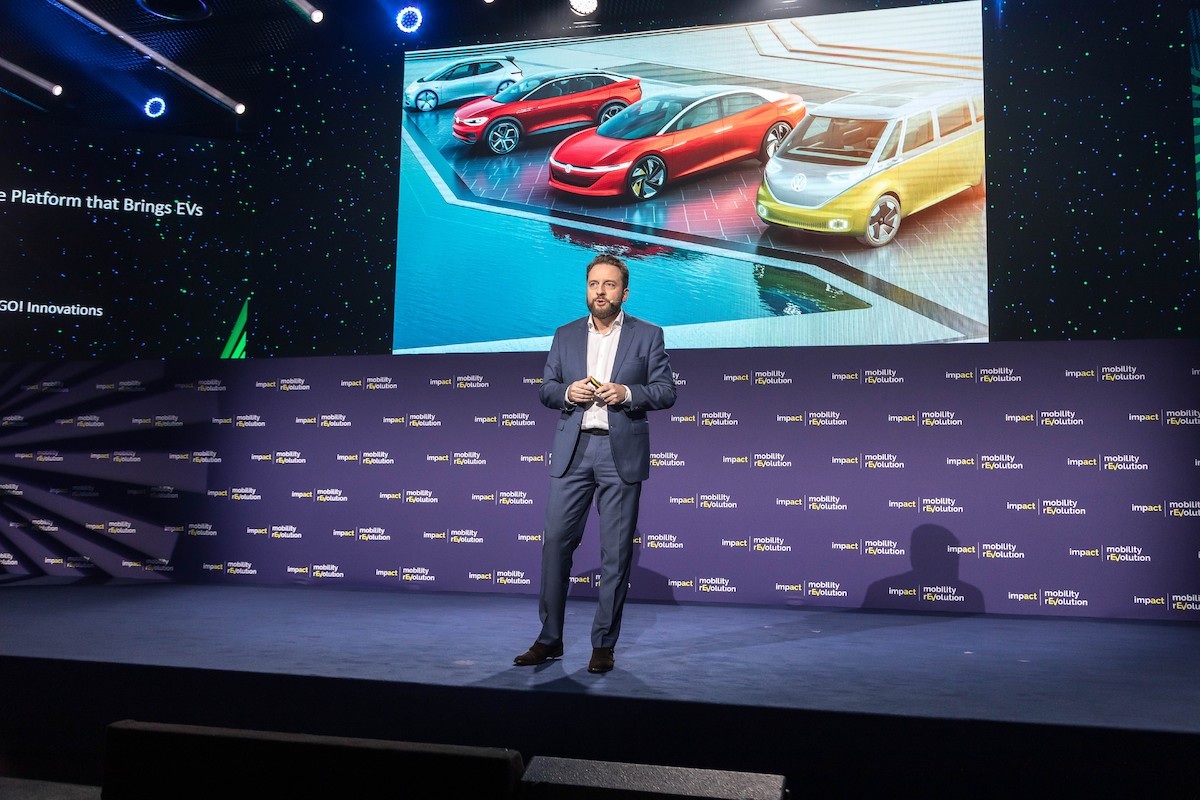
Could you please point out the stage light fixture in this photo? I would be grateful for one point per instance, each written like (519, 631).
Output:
(95, 20)
(584, 7)
(314, 14)
(53, 88)
(155, 107)
(409, 19)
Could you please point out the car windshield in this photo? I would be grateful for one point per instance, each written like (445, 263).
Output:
(521, 88)
(833, 140)
(644, 118)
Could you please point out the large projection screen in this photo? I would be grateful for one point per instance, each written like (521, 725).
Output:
(892, 108)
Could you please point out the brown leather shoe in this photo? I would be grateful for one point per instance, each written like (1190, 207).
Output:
(601, 660)
(538, 653)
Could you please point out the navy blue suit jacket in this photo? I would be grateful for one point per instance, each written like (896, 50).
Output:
(641, 363)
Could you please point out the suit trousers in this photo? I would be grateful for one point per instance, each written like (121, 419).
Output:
(591, 474)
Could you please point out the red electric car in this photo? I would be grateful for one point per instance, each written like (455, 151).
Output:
(672, 135)
(541, 103)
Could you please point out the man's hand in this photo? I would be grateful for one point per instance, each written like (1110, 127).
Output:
(581, 392)
(612, 394)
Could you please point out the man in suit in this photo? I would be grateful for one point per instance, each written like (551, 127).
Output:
(604, 372)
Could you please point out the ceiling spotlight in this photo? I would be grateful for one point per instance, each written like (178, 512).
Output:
(314, 14)
(409, 19)
(584, 7)
(53, 88)
(155, 107)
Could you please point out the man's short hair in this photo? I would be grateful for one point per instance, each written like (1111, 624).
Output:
(612, 261)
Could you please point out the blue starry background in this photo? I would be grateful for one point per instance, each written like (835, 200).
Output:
(1092, 184)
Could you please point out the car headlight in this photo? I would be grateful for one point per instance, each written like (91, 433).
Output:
(474, 121)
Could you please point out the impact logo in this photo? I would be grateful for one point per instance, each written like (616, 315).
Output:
(1063, 507)
(532, 458)
(998, 375)
(771, 377)
(1083, 552)
(845, 461)
(741, 377)
(487, 419)
(961, 375)
(470, 382)
(437, 458)
(1023, 597)
(400, 420)
(826, 419)
(1146, 416)
(480, 576)
(1147, 508)
(790, 587)
(904, 592)
(736, 544)
(1061, 418)
(686, 419)
(441, 381)
(1020, 418)
(902, 418)
(1077, 374)
(531, 380)
(903, 505)
(939, 419)
(710, 419)
(790, 502)
(1063, 597)
(736, 459)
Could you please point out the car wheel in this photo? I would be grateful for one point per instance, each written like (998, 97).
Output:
(503, 85)
(426, 100)
(609, 111)
(502, 136)
(773, 138)
(883, 222)
(647, 178)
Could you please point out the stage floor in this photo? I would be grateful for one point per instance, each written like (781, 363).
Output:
(1090, 673)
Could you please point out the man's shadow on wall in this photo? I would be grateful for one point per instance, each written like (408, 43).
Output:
(933, 583)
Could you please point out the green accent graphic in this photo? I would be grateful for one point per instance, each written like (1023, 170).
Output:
(235, 347)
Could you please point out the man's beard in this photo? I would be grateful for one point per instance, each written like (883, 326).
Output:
(608, 312)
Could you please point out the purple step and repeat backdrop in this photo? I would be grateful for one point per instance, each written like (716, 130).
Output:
(1048, 478)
